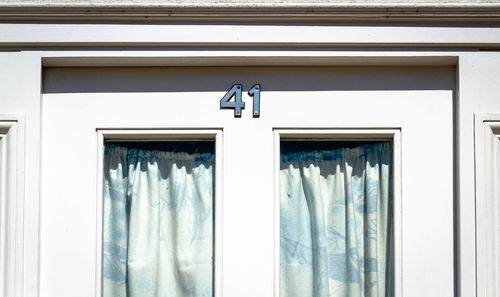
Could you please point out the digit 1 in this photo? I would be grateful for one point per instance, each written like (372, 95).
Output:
(237, 105)
(255, 93)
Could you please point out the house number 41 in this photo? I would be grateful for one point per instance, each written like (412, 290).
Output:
(238, 104)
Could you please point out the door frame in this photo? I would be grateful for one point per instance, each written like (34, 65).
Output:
(12, 149)
(486, 127)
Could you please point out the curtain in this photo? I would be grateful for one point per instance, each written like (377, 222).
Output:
(336, 234)
(157, 223)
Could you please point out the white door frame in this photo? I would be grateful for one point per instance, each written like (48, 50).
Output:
(487, 132)
(12, 185)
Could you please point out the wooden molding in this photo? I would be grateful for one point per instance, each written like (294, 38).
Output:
(361, 13)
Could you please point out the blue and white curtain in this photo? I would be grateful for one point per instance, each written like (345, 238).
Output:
(157, 224)
(336, 235)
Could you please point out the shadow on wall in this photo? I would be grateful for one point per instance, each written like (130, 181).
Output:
(280, 78)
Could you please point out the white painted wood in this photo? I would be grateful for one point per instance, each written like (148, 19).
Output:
(291, 98)
(20, 81)
(3, 215)
(11, 204)
(494, 196)
(245, 58)
(478, 89)
(244, 35)
(240, 3)
(487, 203)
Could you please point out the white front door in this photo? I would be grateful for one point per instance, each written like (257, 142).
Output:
(413, 103)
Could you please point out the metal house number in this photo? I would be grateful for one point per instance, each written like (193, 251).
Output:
(238, 104)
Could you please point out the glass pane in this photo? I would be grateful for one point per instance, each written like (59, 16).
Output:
(158, 219)
(336, 233)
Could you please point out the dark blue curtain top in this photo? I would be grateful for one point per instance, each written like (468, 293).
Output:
(133, 153)
(324, 155)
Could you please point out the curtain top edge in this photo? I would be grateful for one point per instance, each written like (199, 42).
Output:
(325, 155)
(134, 153)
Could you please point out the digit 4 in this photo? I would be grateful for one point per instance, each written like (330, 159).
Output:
(238, 104)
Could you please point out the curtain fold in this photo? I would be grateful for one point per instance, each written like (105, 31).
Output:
(157, 223)
(336, 235)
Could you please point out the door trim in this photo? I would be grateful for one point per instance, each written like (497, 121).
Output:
(12, 154)
(487, 128)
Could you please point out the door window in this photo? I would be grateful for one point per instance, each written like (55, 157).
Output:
(336, 227)
(158, 219)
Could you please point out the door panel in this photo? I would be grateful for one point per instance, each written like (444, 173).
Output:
(418, 101)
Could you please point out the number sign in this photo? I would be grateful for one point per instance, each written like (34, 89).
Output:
(238, 104)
